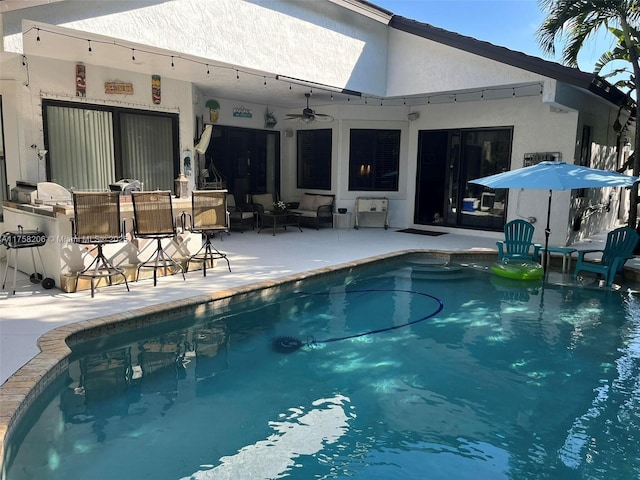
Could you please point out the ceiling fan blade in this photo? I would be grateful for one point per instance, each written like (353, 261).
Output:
(323, 117)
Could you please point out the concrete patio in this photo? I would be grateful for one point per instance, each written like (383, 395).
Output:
(254, 257)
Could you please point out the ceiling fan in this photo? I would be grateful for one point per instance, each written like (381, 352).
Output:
(308, 115)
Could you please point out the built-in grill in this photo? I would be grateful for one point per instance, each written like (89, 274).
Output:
(41, 193)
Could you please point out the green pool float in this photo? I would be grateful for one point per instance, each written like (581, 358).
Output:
(517, 269)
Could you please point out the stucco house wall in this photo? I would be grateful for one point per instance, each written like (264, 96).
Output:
(318, 40)
(323, 42)
(417, 66)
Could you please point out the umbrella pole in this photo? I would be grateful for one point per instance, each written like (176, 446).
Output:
(547, 232)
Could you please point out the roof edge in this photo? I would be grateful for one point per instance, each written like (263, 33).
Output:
(367, 9)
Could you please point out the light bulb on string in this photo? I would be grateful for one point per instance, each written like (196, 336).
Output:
(237, 75)
(38, 36)
(133, 55)
(90, 50)
(208, 72)
(173, 65)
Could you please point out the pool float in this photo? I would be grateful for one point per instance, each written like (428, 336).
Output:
(517, 269)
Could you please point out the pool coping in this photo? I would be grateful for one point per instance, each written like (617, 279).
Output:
(20, 390)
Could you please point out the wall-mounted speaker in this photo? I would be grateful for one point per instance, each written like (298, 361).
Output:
(288, 132)
(413, 116)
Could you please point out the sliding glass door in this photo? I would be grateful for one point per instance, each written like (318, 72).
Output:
(248, 160)
(447, 160)
(93, 146)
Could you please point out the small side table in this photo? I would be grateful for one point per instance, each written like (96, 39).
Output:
(564, 251)
(342, 220)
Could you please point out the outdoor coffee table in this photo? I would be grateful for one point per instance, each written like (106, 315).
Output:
(282, 219)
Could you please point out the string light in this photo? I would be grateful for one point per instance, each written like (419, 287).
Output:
(208, 69)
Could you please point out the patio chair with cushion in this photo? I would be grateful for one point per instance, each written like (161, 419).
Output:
(96, 221)
(619, 248)
(263, 202)
(240, 216)
(153, 218)
(518, 242)
(209, 217)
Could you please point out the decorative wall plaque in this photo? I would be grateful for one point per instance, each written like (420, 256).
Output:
(118, 88)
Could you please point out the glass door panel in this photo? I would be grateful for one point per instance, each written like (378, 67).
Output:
(483, 153)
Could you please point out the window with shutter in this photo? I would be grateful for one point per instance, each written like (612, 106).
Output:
(374, 160)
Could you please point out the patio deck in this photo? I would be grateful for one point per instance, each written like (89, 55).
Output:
(32, 311)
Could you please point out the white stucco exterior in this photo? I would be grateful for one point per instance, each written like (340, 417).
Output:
(322, 42)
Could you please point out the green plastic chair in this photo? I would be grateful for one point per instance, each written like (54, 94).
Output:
(619, 248)
(518, 242)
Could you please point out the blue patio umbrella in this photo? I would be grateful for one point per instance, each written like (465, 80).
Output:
(555, 175)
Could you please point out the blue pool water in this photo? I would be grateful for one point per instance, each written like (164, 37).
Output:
(509, 381)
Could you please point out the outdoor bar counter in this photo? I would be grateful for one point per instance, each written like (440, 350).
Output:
(62, 258)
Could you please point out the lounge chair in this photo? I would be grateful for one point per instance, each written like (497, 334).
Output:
(619, 248)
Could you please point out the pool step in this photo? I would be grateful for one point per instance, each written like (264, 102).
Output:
(433, 272)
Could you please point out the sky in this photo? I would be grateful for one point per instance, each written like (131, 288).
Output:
(507, 23)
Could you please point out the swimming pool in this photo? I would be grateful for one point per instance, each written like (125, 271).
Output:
(509, 380)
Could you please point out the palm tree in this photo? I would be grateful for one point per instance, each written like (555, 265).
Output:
(573, 22)
(626, 80)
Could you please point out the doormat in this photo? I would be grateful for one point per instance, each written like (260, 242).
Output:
(429, 233)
